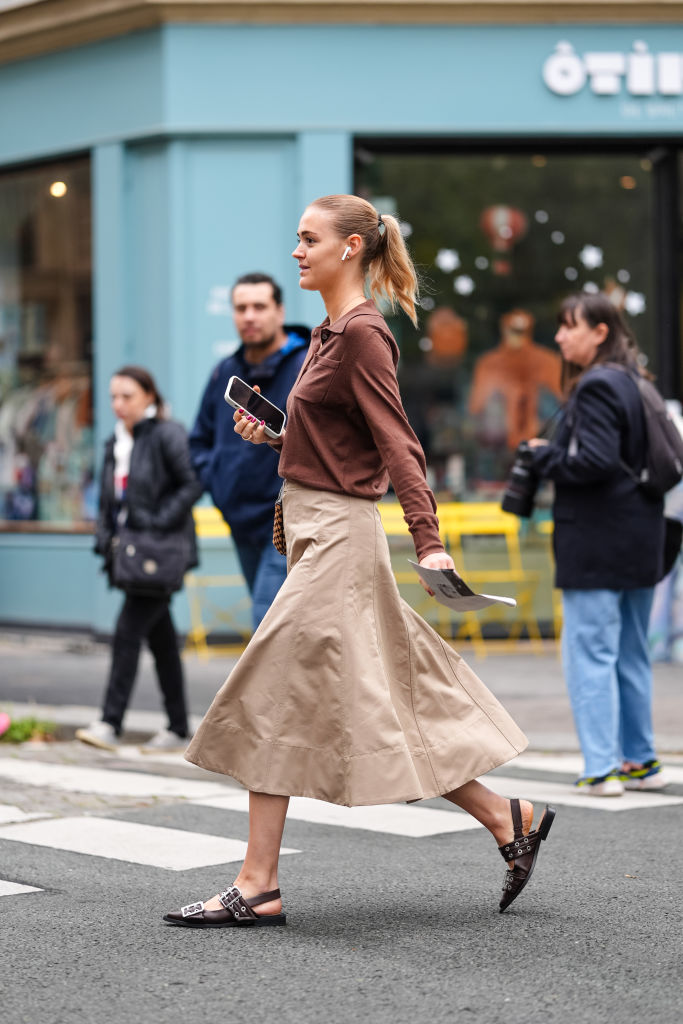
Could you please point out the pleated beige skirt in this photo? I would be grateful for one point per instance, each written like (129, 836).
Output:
(344, 693)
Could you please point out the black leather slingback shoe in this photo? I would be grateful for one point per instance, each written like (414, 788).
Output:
(523, 850)
(237, 912)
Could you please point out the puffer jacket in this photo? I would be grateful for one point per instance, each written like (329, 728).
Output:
(162, 487)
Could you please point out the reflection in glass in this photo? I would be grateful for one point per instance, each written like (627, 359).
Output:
(526, 231)
(46, 457)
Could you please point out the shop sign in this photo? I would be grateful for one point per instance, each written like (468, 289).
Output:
(641, 72)
(638, 74)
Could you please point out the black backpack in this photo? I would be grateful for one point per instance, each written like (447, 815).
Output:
(663, 467)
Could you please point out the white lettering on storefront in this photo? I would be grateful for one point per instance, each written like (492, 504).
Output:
(643, 73)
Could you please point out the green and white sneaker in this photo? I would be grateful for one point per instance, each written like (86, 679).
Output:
(650, 776)
(601, 785)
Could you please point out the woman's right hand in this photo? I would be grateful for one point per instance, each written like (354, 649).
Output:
(249, 427)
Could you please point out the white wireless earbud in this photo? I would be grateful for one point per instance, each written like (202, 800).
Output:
(347, 253)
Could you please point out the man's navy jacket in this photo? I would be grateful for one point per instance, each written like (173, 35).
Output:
(242, 478)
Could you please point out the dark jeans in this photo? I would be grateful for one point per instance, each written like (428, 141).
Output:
(265, 570)
(145, 618)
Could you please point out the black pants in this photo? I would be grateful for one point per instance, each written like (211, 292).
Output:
(145, 618)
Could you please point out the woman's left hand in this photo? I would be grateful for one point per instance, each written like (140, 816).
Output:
(437, 560)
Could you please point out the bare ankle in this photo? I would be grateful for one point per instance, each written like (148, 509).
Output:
(254, 883)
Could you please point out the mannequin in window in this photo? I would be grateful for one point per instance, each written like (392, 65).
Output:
(515, 373)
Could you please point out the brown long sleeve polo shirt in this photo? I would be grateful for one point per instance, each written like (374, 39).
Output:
(347, 431)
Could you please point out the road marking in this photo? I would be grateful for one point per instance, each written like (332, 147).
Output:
(561, 793)
(102, 781)
(175, 759)
(170, 848)
(13, 888)
(572, 764)
(10, 814)
(394, 819)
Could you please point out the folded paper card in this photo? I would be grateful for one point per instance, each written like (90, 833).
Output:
(452, 591)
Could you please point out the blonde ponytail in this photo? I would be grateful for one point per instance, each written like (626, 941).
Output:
(392, 272)
(386, 259)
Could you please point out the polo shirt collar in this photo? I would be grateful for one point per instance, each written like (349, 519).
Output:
(338, 326)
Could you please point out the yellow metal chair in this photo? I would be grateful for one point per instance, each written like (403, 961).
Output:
(437, 614)
(460, 523)
(545, 528)
(205, 612)
(464, 524)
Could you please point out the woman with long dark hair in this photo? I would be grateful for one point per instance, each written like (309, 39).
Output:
(345, 694)
(609, 544)
(148, 486)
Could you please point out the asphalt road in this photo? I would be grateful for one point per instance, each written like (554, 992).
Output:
(381, 927)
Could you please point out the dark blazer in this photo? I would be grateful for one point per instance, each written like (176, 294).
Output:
(608, 533)
(162, 486)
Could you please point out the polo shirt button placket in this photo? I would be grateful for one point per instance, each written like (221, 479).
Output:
(324, 335)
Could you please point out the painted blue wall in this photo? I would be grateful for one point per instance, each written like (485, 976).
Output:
(55, 580)
(208, 141)
(269, 80)
(479, 80)
(71, 100)
(291, 79)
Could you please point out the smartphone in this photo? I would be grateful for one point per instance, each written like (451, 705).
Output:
(241, 396)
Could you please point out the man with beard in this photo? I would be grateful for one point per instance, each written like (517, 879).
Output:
(241, 478)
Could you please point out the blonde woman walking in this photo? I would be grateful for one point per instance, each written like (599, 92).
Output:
(345, 694)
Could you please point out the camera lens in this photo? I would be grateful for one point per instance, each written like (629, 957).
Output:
(521, 485)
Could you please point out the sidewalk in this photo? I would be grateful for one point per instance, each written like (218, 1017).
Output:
(61, 678)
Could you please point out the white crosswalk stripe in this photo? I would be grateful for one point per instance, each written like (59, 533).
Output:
(572, 764)
(10, 814)
(105, 782)
(14, 888)
(561, 793)
(394, 819)
(170, 848)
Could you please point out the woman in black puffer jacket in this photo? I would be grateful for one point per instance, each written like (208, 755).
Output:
(148, 486)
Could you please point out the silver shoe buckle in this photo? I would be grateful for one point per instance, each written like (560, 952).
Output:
(192, 908)
(230, 897)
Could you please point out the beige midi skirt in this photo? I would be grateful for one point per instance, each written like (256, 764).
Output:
(344, 693)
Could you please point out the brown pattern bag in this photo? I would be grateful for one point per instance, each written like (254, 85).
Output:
(279, 526)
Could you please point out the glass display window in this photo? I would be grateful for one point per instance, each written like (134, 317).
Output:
(500, 238)
(46, 418)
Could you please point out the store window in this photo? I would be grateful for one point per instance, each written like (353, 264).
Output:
(46, 443)
(500, 239)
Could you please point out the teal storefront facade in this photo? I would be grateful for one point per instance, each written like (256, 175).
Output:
(205, 142)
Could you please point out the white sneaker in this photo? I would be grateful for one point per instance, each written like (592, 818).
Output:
(99, 734)
(165, 741)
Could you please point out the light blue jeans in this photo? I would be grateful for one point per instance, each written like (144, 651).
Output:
(264, 570)
(607, 669)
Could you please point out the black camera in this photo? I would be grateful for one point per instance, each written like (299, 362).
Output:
(522, 484)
